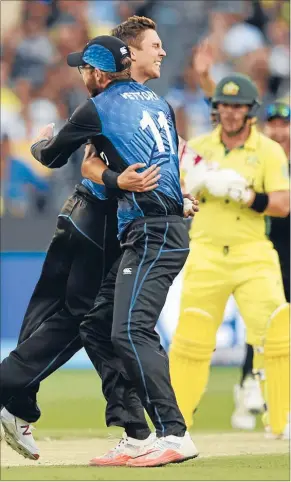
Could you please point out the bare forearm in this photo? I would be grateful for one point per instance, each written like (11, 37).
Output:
(279, 204)
(93, 168)
(207, 84)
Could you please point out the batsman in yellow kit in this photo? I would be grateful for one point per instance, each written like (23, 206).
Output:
(246, 179)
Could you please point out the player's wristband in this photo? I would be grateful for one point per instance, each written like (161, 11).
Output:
(260, 202)
(110, 179)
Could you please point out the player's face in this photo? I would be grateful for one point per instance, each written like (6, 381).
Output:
(148, 58)
(232, 117)
(278, 130)
(91, 78)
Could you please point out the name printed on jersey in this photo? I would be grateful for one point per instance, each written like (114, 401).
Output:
(139, 96)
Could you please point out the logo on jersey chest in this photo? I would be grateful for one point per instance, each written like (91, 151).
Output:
(252, 160)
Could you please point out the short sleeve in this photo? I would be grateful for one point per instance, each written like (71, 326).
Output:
(276, 172)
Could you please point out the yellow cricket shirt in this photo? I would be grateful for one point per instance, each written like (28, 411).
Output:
(263, 163)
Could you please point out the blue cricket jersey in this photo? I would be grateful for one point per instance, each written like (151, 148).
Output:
(140, 127)
(127, 123)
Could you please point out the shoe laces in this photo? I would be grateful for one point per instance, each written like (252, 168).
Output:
(162, 443)
(118, 448)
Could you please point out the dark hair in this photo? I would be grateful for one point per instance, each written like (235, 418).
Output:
(131, 31)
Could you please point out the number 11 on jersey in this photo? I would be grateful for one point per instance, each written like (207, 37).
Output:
(147, 121)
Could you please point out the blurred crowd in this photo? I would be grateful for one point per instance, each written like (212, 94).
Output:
(249, 36)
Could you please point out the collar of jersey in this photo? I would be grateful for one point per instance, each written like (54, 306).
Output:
(251, 143)
(119, 81)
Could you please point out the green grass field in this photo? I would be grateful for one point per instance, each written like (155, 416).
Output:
(72, 430)
(245, 467)
(72, 404)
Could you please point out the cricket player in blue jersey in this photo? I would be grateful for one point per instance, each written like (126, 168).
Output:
(82, 250)
(147, 53)
(127, 121)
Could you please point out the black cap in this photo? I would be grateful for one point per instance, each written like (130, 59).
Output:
(105, 53)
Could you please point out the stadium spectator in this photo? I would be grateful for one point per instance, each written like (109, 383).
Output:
(188, 102)
(39, 33)
(19, 182)
(34, 51)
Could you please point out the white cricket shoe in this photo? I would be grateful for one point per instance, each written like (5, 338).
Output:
(166, 450)
(253, 399)
(126, 448)
(241, 418)
(17, 434)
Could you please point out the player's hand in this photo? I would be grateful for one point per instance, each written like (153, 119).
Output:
(203, 58)
(130, 180)
(90, 151)
(194, 170)
(241, 194)
(46, 133)
(191, 206)
(226, 183)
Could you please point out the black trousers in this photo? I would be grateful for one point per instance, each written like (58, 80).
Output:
(82, 251)
(154, 252)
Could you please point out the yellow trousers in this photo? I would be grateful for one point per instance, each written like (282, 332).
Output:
(251, 272)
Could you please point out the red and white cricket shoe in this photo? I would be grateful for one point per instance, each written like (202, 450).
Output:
(166, 450)
(125, 450)
(17, 434)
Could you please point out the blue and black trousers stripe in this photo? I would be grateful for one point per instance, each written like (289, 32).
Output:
(154, 252)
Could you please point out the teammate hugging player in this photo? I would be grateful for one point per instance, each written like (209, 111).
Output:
(153, 236)
(82, 251)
